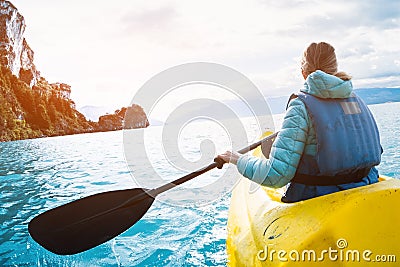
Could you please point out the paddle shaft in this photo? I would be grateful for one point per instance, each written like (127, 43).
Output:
(154, 192)
(190, 176)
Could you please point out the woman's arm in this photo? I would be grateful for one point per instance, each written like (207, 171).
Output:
(286, 151)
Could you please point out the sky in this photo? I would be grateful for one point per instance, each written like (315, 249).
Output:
(106, 50)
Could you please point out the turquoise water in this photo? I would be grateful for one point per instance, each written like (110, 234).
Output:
(388, 120)
(40, 174)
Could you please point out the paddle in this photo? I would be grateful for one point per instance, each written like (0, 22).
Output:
(88, 222)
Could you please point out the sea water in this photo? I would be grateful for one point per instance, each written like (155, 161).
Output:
(40, 174)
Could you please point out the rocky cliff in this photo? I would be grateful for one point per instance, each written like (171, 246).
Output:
(15, 52)
(131, 117)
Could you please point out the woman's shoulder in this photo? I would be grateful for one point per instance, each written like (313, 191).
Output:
(296, 107)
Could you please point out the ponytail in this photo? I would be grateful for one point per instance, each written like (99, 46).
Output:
(321, 56)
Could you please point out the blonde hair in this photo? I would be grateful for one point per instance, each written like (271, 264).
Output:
(321, 56)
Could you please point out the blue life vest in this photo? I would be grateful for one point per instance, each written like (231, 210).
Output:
(348, 143)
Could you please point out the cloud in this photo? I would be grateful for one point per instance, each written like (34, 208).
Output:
(153, 19)
(384, 14)
(131, 41)
(362, 48)
(335, 19)
(287, 3)
(383, 82)
(364, 33)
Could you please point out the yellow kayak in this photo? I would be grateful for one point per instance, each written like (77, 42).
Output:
(356, 227)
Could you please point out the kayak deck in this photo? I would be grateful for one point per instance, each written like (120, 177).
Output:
(360, 224)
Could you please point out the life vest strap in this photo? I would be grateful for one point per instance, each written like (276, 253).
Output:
(324, 180)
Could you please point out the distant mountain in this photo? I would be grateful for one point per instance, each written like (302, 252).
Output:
(277, 104)
(93, 113)
(370, 96)
(379, 95)
(155, 122)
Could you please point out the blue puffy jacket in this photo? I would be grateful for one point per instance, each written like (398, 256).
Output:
(297, 137)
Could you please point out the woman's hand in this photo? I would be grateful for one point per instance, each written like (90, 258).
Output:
(229, 156)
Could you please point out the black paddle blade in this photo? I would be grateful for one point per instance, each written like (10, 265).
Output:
(90, 221)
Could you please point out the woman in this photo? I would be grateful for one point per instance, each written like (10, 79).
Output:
(329, 140)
